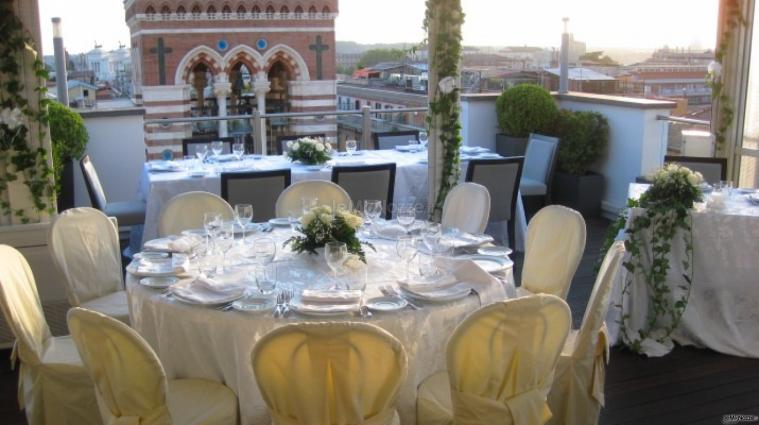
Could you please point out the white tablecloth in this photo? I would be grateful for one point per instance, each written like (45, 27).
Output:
(200, 342)
(410, 183)
(723, 309)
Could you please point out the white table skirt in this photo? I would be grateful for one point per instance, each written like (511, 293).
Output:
(410, 184)
(200, 342)
(723, 308)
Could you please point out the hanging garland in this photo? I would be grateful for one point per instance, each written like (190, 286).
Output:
(17, 115)
(734, 19)
(667, 210)
(444, 99)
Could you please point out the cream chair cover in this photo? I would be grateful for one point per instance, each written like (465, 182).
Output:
(131, 384)
(84, 244)
(330, 373)
(577, 394)
(553, 249)
(467, 208)
(501, 361)
(53, 386)
(185, 211)
(289, 201)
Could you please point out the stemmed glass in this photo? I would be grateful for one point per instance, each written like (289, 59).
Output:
(202, 152)
(238, 149)
(405, 249)
(406, 216)
(211, 224)
(217, 147)
(350, 147)
(372, 211)
(225, 241)
(431, 235)
(423, 138)
(335, 253)
(243, 215)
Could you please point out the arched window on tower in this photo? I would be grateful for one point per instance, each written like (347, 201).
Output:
(312, 12)
(196, 11)
(284, 10)
(241, 12)
(165, 12)
(211, 12)
(181, 12)
(298, 11)
(325, 10)
(150, 11)
(226, 11)
(255, 9)
(270, 12)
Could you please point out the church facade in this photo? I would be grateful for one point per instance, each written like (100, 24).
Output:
(219, 58)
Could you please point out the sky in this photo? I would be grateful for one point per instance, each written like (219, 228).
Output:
(644, 24)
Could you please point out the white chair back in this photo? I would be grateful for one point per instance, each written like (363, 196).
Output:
(540, 157)
(185, 211)
(330, 373)
(467, 207)
(130, 382)
(328, 193)
(21, 306)
(501, 360)
(84, 244)
(553, 249)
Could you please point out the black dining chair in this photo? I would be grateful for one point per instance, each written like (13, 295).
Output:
(190, 145)
(391, 139)
(367, 182)
(258, 188)
(501, 177)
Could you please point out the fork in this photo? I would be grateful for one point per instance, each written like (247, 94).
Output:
(389, 291)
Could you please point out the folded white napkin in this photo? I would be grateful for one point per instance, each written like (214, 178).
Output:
(206, 290)
(139, 269)
(181, 244)
(321, 296)
(426, 285)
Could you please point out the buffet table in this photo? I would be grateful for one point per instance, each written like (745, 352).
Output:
(723, 309)
(205, 342)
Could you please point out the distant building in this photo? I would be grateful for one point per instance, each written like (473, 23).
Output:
(528, 57)
(348, 60)
(581, 80)
(81, 94)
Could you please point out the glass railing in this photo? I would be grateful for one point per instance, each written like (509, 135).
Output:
(688, 137)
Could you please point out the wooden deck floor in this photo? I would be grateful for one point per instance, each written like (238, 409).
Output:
(689, 386)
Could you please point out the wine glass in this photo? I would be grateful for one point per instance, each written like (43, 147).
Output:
(202, 152)
(211, 223)
(308, 203)
(265, 250)
(217, 147)
(238, 149)
(292, 217)
(405, 249)
(335, 253)
(224, 242)
(350, 147)
(406, 216)
(266, 278)
(423, 138)
(243, 215)
(431, 235)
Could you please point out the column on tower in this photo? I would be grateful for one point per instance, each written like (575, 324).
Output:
(261, 86)
(221, 89)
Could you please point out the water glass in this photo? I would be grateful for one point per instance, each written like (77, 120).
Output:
(405, 249)
(238, 149)
(423, 138)
(431, 235)
(335, 253)
(202, 152)
(211, 223)
(372, 209)
(265, 250)
(266, 278)
(351, 146)
(217, 147)
(406, 216)
(308, 203)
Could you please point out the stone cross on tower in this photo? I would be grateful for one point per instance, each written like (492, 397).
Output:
(161, 50)
(319, 48)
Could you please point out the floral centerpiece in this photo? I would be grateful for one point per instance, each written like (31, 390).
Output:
(320, 226)
(666, 212)
(309, 150)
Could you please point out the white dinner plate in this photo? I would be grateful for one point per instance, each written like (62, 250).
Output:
(220, 300)
(159, 282)
(387, 303)
(489, 155)
(450, 293)
(495, 251)
(255, 302)
(322, 310)
(141, 271)
(489, 263)
(280, 221)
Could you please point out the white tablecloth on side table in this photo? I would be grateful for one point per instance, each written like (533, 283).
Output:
(723, 308)
(410, 183)
(199, 342)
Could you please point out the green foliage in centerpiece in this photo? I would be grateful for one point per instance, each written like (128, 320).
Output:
(666, 210)
(320, 226)
(309, 150)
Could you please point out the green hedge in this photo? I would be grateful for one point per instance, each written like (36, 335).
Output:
(525, 109)
(583, 137)
(68, 135)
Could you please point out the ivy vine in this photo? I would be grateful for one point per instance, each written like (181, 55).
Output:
(444, 103)
(17, 151)
(734, 18)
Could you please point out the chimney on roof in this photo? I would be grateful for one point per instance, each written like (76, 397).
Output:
(564, 59)
(61, 78)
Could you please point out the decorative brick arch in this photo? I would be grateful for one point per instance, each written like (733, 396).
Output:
(292, 60)
(246, 55)
(200, 54)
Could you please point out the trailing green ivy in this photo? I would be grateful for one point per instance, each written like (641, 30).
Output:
(444, 99)
(17, 153)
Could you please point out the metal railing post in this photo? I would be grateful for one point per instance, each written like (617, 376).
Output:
(366, 128)
(259, 130)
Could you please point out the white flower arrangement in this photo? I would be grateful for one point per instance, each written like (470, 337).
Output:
(674, 174)
(309, 150)
(321, 225)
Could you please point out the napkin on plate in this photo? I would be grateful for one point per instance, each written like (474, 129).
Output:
(320, 296)
(421, 285)
(181, 244)
(205, 290)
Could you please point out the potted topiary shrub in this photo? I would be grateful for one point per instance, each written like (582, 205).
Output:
(521, 110)
(583, 137)
(69, 139)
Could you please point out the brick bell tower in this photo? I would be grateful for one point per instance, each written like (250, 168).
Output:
(229, 57)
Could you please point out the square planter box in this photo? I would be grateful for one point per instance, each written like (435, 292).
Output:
(581, 193)
(510, 146)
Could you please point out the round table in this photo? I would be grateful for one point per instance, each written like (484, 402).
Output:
(203, 342)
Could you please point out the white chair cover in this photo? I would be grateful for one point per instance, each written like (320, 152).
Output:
(501, 361)
(185, 211)
(131, 384)
(84, 244)
(577, 394)
(467, 207)
(53, 386)
(289, 201)
(330, 373)
(552, 251)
